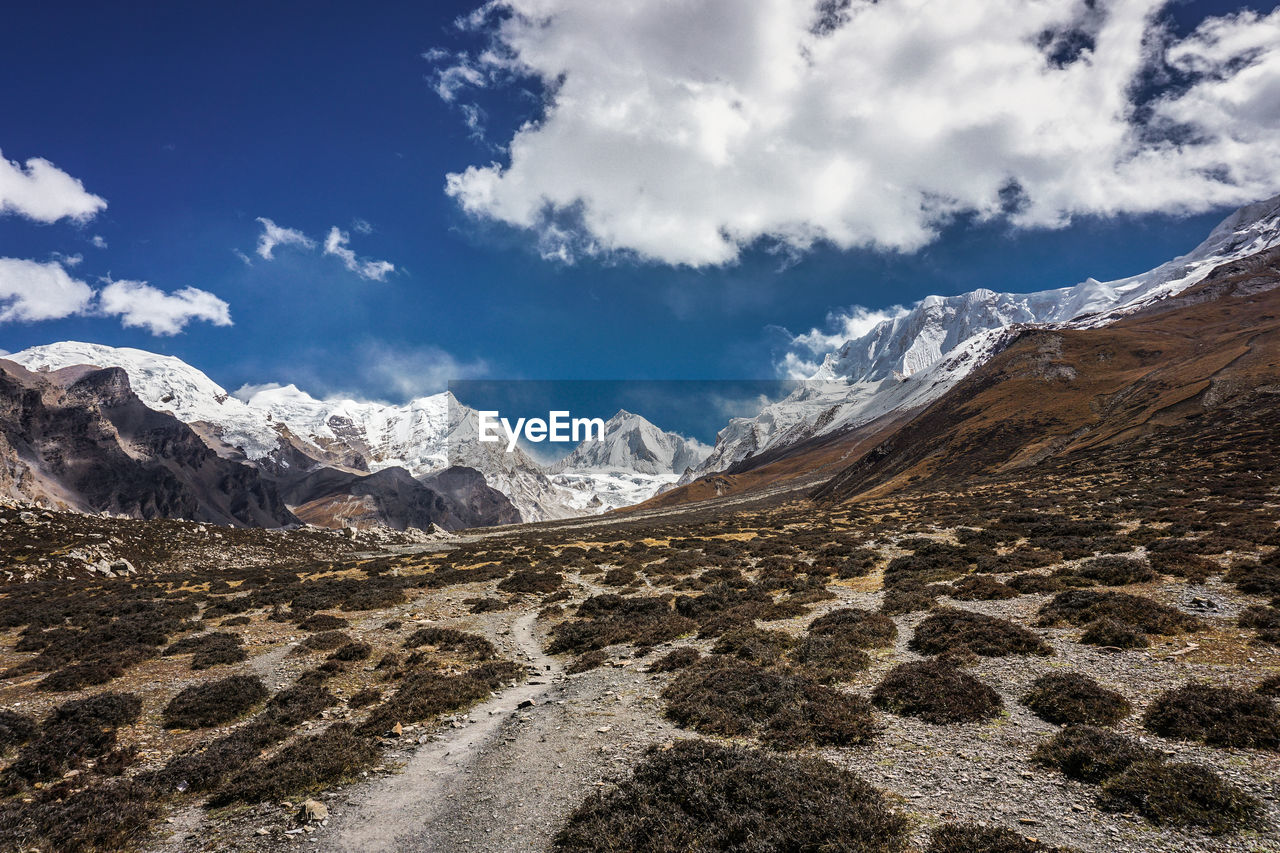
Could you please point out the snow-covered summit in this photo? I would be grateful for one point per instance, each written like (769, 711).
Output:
(634, 444)
(914, 357)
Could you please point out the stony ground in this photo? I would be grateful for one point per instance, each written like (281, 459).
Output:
(505, 772)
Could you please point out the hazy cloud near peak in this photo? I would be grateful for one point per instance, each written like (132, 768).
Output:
(681, 133)
(43, 192)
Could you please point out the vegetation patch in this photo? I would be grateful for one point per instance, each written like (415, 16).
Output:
(305, 766)
(1082, 606)
(936, 692)
(1108, 633)
(702, 796)
(211, 649)
(958, 631)
(975, 838)
(1180, 795)
(676, 659)
(731, 698)
(1219, 716)
(1069, 698)
(1091, 754)
(214, 703)
(856, 627)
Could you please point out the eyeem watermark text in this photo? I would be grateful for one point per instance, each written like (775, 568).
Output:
(558, 426)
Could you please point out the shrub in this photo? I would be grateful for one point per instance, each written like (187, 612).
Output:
(364, 698)
(450, 640)
(323, 622)
(1091, 754)
(727, 697)
(1069, 698)
(208, 768)
(112, 816)
(702, 796)
(1219, 716)
(16, 729)
(587, 662)
(954, 630)
(828, 658)
(857, 627)
(1269, 687)
(71, 734)
(981, 588)
(305, 766)
(354, 650)
(1033, 584)
(78, 676)
(752, 644)
(529, 580)
(1082, 606)
(214, 703)
(1180, 795)
(973, 838)
(1255, 578)
(299, 703)
(1115, 570)
(423, 695)
(209, 649)
(1109, 633)
(680, 658)
(936, 692)
(1264, 620)
(325, 641)
(908, 599)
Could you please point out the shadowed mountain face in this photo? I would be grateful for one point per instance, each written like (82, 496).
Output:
(1195, 375)
(453, 499)
(82, 438)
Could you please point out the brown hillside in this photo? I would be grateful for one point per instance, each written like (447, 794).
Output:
(1210, 356)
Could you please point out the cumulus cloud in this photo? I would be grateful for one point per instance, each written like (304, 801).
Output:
(805, 351)
(273, 235)
(43, 192)
(682, 133)
(31, 291)
(140, 305)
(97, 241)
(336, 244)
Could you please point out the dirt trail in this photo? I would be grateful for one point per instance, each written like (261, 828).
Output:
(506, 780)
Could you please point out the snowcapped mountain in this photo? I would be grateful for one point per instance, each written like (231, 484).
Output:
(633, 461)
(278, 426)
(912, 359)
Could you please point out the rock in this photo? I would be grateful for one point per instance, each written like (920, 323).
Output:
(27, 517)
(262, 830)
(313, 811)
(528, 703)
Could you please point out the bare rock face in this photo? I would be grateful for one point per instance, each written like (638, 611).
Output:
(456, 498)
(82, 439)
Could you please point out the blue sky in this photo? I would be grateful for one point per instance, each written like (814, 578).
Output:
(192, 121)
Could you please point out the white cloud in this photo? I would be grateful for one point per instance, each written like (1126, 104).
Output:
(362, 226)
(138, 304)
(683, 132)
(804, 352)
(336, 244)
(31, 291)
(44, 192)
(97, 242)
(273, 235)
(244, 259)
(413, 372)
